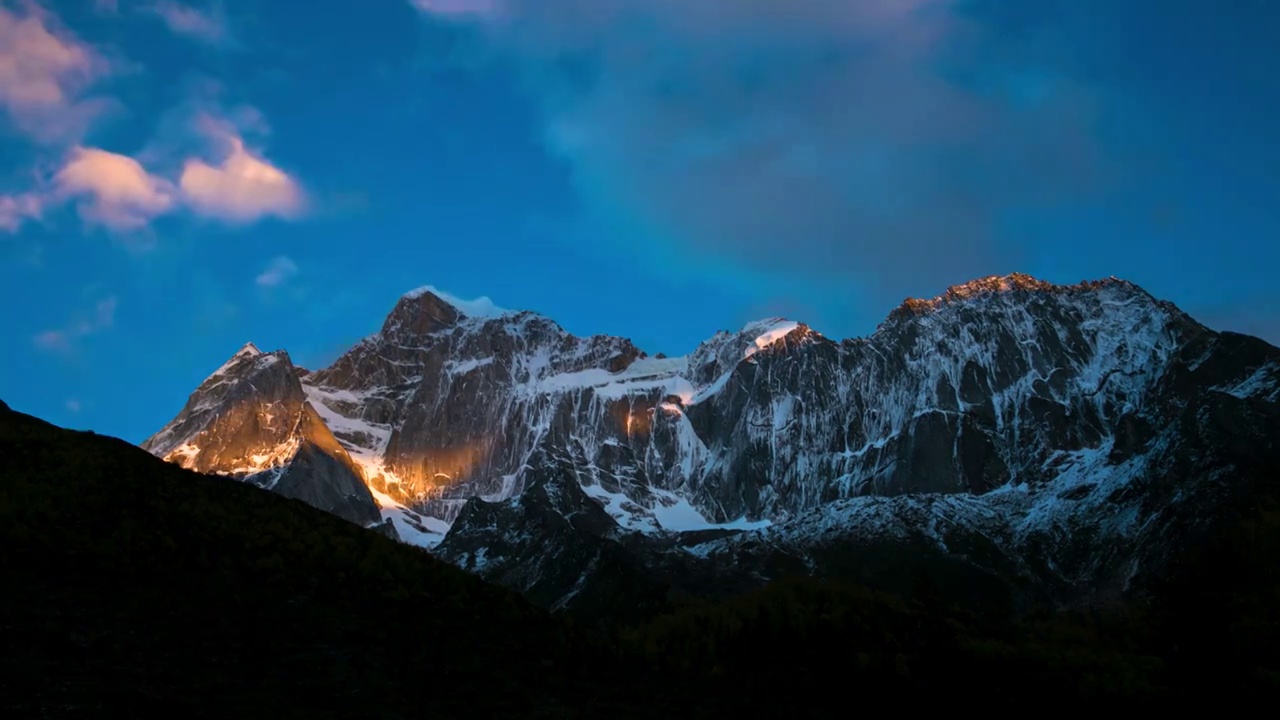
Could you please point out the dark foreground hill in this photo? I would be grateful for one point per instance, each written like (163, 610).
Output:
(132, 586)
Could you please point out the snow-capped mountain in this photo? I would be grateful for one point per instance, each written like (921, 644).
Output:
(250, 419)
(1065, 429)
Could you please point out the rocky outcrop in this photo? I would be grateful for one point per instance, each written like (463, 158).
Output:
(251, 420)
(554, 543)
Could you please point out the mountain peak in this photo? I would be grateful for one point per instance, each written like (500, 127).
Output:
(1001, 285)
(419, 313)
(481, 307)
(248, 351)
(427, 310)
(763, 333)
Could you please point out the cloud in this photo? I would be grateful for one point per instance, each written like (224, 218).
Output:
(881, 141)
(458, 8)
(72, 405)
(114, 190)
(216, 174)
(17, 209)
(121, 194)
(64, 340)
(53, 341)
(279, 271)
(242, 187)
(43, 72)
(206, 26)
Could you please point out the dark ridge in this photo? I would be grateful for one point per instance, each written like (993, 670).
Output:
(132, 584)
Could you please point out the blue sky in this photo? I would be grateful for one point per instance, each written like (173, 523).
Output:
(180, 177)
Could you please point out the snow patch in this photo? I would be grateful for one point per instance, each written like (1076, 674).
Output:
(642, 376)
(622, 509)
(677, 514)
(670, 513)
(767, 332)
(1263, 383)
(481, 307)
(268, 459)
(364, 441)
(414, 529)
(462, 367)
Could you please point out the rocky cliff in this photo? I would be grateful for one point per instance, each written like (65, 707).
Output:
(251, 419)
(1058, 434)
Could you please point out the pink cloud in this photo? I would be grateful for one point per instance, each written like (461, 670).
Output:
(43, 71)
(117, 192)
(114, 190)
(17, 209)
(241, 188)
(209, 27)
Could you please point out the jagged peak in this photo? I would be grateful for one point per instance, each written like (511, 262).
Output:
(428, 310)
(993, 285)
(481, 307)
(768, 325)
(247, 350)
(763, 333)
(420, 313)
(249, 355)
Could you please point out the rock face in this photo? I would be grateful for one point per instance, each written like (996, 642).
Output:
(1060, 434)
(251, 420)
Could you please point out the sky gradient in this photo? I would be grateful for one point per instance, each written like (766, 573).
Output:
(178, 177)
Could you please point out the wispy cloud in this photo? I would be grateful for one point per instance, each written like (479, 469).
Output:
(65, 340)
(73, 406)
(18, 208)
(852, 138)
(279, 271)
(44, 72)
(458, 8)
(205, 25)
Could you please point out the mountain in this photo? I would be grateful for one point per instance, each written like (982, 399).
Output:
(251, 420)
(1024, 442)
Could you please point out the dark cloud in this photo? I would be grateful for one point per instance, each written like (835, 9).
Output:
(845, 138)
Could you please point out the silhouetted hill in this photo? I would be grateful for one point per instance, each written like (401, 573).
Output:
(132, 586)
